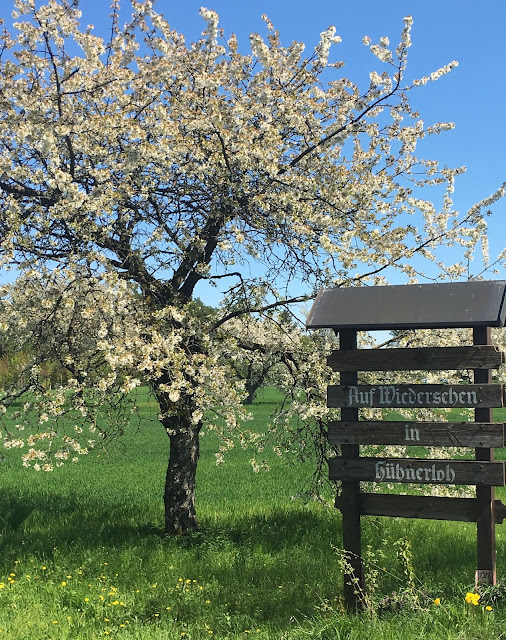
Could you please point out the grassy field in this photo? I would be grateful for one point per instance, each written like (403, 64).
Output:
(83, 556)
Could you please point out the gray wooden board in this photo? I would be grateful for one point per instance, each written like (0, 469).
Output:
(432, 434)
(412, 396)
(427, 507)
(412, 306)
(424, 358)
(417, 470)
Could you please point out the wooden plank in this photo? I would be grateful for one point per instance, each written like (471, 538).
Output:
(485, 496)
(354, 577)
(426, 507)
(412, 396)
(431, 434)
(417, 470)
(423, 358)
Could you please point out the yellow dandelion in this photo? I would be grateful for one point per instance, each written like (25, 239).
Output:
(488, 608)
(437, 601)
(473, 598)
(63, 583)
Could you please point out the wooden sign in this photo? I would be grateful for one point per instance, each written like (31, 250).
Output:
(347, 310)
(412, 396)
(418, 471)
(422, 358)
(431, 434)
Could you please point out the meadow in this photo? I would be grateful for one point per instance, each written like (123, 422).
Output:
(83, 556)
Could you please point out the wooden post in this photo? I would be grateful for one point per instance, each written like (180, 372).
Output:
(354, 585)
(485, 506)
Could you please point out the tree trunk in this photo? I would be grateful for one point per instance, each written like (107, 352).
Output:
(179, 496)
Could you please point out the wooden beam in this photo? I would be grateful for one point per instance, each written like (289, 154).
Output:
(412, 396)
(354, 576)
(426, 507)
(431, 434)
(485, 496)
(422, 358)
(417, 470)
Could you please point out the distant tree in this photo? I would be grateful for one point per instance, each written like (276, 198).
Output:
(259, 353)
(133, 169)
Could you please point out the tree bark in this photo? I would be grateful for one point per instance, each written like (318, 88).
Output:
(180, 481)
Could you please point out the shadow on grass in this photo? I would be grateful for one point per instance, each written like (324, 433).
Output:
(39, 523)
(45, 520)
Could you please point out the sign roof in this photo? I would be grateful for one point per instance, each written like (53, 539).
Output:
(414, 306)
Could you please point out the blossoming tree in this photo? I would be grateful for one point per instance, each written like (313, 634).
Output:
(134, 168)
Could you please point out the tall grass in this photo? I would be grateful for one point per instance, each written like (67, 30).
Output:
(83, 555)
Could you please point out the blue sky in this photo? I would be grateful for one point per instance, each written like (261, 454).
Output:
(473, 95)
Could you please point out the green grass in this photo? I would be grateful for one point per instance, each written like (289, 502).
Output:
(86, 547)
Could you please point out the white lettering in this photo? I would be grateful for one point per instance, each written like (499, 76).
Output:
(411, 433)
(352, 396)
(387, 395)
(385, 470)
(379, 470)
(450, 473)
(391, 396)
